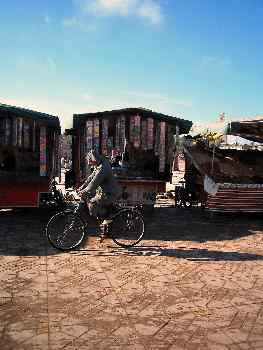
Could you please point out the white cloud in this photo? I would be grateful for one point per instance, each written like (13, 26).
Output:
(121, 7)
(51, 64)
(47, 19)
(160, 98)
(216, 61)
(87, 97)
(70, 22)
(144, 94)
(149, 10)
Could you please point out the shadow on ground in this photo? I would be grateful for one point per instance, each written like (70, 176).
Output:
(22, 233)
(193, 254)
(196, 225)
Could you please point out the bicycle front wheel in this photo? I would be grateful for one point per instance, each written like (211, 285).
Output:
(65, 230)
(127, 228)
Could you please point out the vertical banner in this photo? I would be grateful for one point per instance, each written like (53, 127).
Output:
(137, 131)
(162, 147)
(132, 126)
(89, 143)
(14, 133)
(89, 135)
(117, 134)
(110, 145)
(34, 136)
(157, 139)
(96, 133)
(26, 127)
(104, 138)
(7, 131)
(120, 134)
(144, 135)
(170, 144)
(150, 133)
(19, 131)
(43, 151)
(57, 154)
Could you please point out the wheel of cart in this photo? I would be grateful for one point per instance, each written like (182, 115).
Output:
(183, 197)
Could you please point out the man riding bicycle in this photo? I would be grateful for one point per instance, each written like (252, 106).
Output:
(101, 189)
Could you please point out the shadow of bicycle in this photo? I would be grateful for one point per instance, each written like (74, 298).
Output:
(193, 254)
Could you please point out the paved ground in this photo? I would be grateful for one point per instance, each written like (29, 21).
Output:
(193, 283)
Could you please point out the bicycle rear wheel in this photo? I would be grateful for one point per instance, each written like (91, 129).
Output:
(65, 230)
(127, 228)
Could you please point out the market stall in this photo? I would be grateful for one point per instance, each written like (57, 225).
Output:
(29, 156)
(231, 178)
(143, 142)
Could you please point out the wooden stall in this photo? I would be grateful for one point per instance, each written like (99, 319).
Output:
(29, 147)
(143, 140)
(231, 179)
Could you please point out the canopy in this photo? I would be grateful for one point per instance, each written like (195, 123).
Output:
(13, 111)
(251, 130)
(184, 125)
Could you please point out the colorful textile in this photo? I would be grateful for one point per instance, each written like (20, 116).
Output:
(89, 135)
(150, 124)
(57, 154)
(34, 137)
(117, 133)
(144, 135)
(7, 130)
(96, 133)
(43, 150)
(162, 147)
(122, 134)
(27, 135)
(157, 139)
(132, 125)
(19, 131)
(137, 131)
(110, 144)
(104, 138)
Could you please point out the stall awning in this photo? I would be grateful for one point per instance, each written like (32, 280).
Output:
(227, 165)
(13, 111)
(251, 130)
(184, 125)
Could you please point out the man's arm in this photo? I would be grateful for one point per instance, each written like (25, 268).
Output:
(96, 181)
(86, 182)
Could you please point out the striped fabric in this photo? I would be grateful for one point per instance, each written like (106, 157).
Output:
(104, 137)
(236, 200)
(150, 136)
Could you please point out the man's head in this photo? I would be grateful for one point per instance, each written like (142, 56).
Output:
(93, 157)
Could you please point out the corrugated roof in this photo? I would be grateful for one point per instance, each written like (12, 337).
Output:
(251, 129)
(228, 165)
(24, 112)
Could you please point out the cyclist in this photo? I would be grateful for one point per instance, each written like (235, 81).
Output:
(101, 189)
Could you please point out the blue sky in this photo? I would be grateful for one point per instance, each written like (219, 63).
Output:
(192, 59)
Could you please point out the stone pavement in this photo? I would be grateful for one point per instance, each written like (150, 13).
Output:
(193, 283)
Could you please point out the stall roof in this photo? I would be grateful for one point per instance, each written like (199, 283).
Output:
(229, 165)
(23, 112)
(184, 125)
(249, 129)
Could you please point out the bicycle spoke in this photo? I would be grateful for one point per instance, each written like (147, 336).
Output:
(127, 228)
(65, 230)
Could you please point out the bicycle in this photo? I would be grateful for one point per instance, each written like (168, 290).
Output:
(55, 198)
(66, 230)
